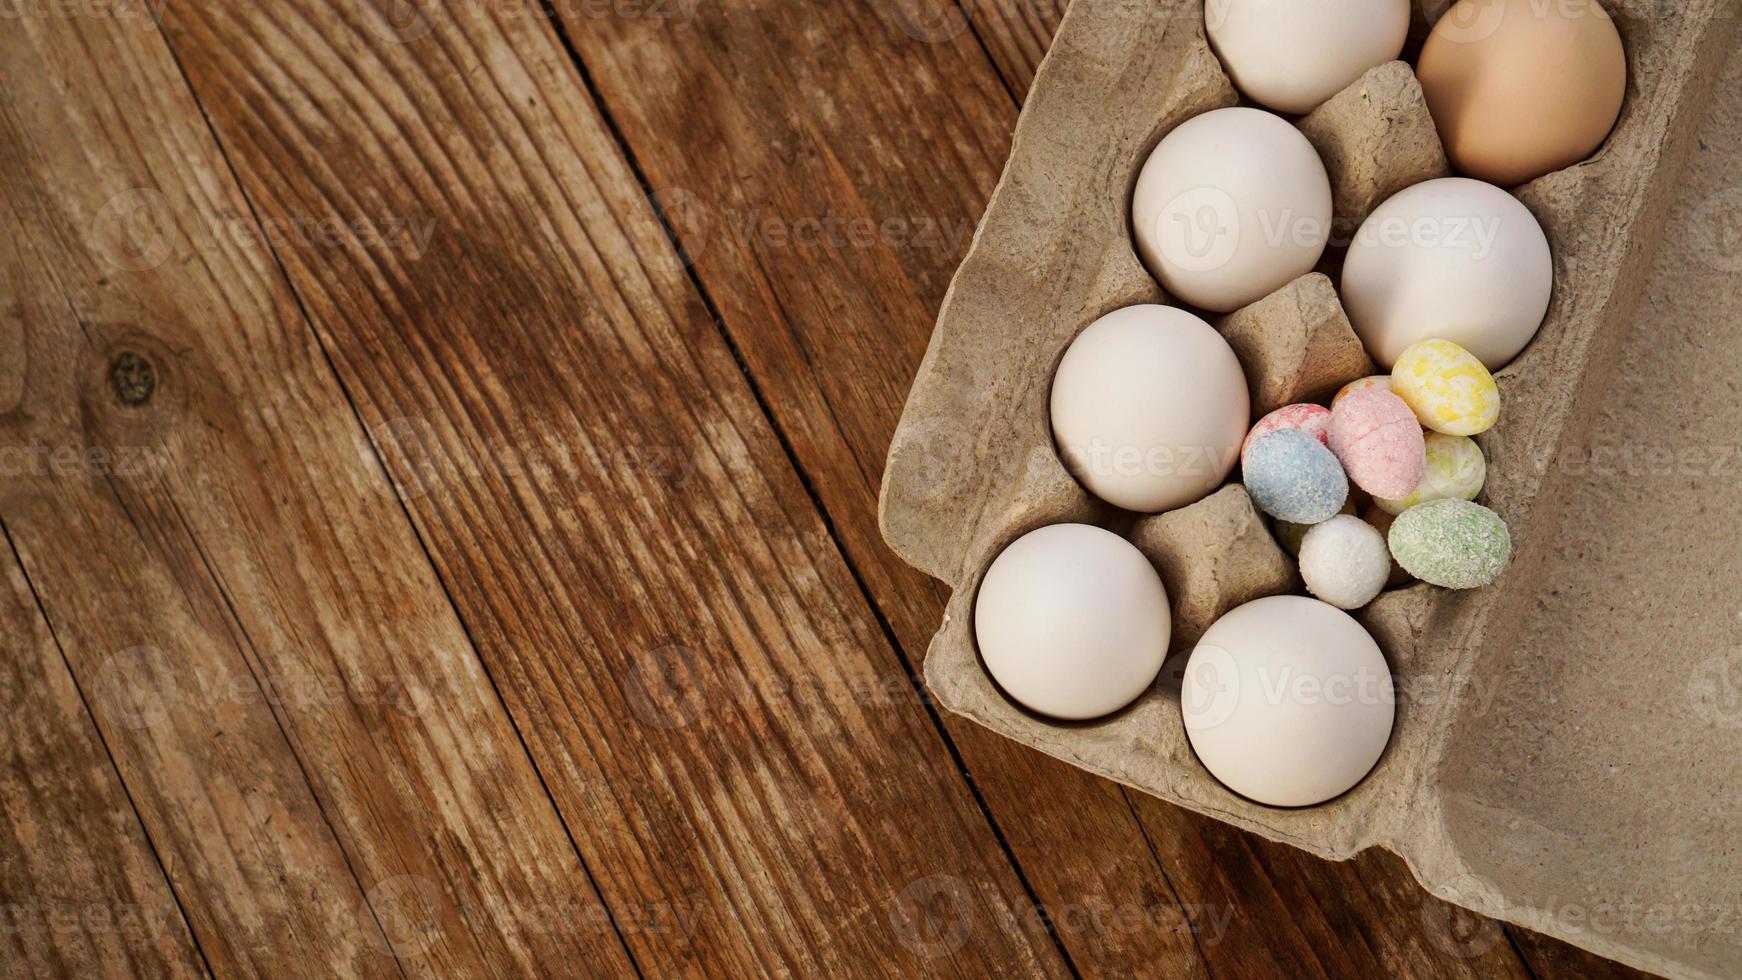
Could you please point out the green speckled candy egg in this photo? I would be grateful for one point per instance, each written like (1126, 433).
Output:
(1452, 543)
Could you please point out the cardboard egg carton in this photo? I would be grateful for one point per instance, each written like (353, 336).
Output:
(972, 467)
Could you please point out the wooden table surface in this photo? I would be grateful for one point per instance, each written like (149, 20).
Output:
(439, 446)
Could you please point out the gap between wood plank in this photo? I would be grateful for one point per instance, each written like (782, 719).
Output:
(417, 533)
(248, 663)
(108, 753)
(782, 434)
(639, 201)
(39, 270)
(755, 387)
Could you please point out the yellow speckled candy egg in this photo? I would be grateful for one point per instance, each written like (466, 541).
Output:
(1455, 468)
(1447, 386)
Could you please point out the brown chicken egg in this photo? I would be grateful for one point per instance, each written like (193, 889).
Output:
(1520, 88)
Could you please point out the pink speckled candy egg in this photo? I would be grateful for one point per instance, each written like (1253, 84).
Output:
(1314, 420)
(1376, 436)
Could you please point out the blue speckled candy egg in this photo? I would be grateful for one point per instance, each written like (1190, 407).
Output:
(1292, 477)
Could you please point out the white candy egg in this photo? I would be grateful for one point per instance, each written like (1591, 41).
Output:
(1231, 206)
(1454, 259)
(1291, 55)
(1344, 561)
(1149, 407)
(1288, 701)
(1072, 621)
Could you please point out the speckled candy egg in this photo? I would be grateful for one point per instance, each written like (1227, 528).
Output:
(1448, 388)
(1292, 477)
(1314, 420)
(1379, 442)
(1455, 471)
(1344, 561)
(1452, 543)
(1371, 381)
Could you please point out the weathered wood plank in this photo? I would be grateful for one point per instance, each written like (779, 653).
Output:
(825, 191)
(1299, 916)
(81, 893)
(831, 308)
(1552, 959)
(731, 738)
(332, 784)
(1016, 34)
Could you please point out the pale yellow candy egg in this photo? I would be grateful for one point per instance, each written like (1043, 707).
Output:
(1455, 469)
(1447, 387)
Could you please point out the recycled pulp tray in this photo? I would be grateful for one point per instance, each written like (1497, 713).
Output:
(972, 467)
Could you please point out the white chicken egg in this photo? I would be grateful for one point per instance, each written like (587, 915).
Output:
(1231, 206)
(1291, 55)
(1149, 407)
(1288, 701)
(1072, 621)
(1454, 259)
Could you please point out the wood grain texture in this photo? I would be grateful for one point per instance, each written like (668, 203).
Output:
(848, 158)
(81, 892)
(258, 671)
(1016, 34)
(1300, 916)
(332, 784)
(824, 214)
(730, 737)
